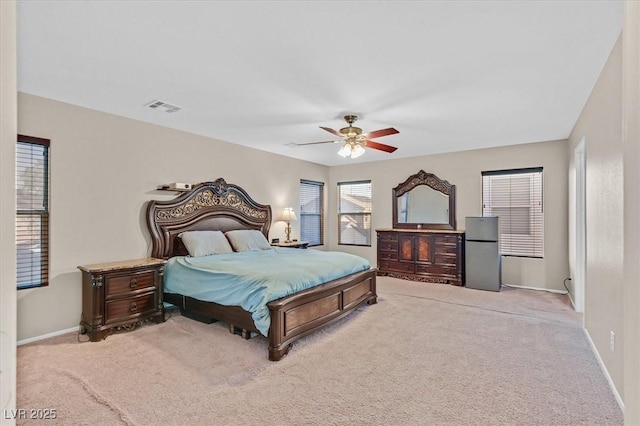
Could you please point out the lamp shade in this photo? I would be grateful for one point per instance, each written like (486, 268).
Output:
(345, 151)
(288, 215)
(357, 151)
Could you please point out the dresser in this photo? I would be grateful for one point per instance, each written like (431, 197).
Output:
(427, 255)
(120, 295)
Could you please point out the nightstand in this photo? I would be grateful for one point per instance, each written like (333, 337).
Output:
(293, 244)
(120, 295)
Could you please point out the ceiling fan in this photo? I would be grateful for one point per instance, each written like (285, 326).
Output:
(355, 141)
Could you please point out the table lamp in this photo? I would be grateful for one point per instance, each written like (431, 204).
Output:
(288, 215)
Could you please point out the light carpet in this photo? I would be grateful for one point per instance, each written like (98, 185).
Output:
(426, 354)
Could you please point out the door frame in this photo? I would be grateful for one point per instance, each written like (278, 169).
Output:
(580, 248)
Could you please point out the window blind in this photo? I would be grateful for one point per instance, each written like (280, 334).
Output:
(354, 213)
(312, 212)
(516, 197)
(32, 213)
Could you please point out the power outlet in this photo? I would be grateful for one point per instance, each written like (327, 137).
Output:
(612, 341)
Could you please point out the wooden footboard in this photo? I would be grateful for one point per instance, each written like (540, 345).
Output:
(295, 316)
(292, 317)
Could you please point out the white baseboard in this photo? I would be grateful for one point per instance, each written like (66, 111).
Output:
(604, 370)
(46, 336)
(550, 290)
(571, 300)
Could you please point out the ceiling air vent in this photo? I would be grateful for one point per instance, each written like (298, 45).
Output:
(161, 105)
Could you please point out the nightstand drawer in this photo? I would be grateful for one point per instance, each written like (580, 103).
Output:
(122, 309)
(122, 284)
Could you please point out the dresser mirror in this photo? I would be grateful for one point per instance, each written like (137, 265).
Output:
(424, 201)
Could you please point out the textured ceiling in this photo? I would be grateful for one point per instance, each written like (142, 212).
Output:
(450, 76)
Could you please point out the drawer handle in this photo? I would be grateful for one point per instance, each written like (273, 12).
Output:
(133, 283)
(133, 307)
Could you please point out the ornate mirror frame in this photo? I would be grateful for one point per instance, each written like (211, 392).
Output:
(434, 182)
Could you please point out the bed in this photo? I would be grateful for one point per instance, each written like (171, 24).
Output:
(220, 206)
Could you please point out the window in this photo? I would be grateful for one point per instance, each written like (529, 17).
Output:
(312, 212)
(32, 214)
(354, 213)
(515, 196)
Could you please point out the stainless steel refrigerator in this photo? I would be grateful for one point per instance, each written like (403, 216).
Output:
(483, 266)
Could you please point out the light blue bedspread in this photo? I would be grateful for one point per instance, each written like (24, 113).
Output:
(251, 279)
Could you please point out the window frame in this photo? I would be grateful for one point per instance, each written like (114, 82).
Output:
(519, 244)
(44, 214)
(320, 214)
(366, 216)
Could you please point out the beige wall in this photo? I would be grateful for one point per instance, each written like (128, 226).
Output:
(631, 142)
(610, 126)
(8, 126)
(600, 126)
(463, 169)
(104, 168)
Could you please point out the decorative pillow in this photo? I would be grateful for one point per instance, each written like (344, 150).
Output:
(247, 240)
(204, 243)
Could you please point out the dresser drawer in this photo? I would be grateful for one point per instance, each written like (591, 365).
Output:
(441, 270)
(387, 236)
(444, 238)
(396, 266)
(388, 246)
(446, 248)
(122, 284)
(119, 309)
(388, 255)
(446, 259)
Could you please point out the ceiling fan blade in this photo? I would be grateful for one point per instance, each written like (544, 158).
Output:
(333, 132)
(316, 143)
(380, 146)
(380, 133)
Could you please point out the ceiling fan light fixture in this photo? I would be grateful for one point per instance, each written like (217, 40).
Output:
(357, 151)
(345, 151)
(352, 150)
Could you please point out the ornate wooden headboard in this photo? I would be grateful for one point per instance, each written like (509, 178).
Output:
(208, 206)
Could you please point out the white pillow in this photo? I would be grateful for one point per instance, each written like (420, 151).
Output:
(204, 243)
(247, 240)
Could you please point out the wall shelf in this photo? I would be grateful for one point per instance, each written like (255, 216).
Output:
(167, 188)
